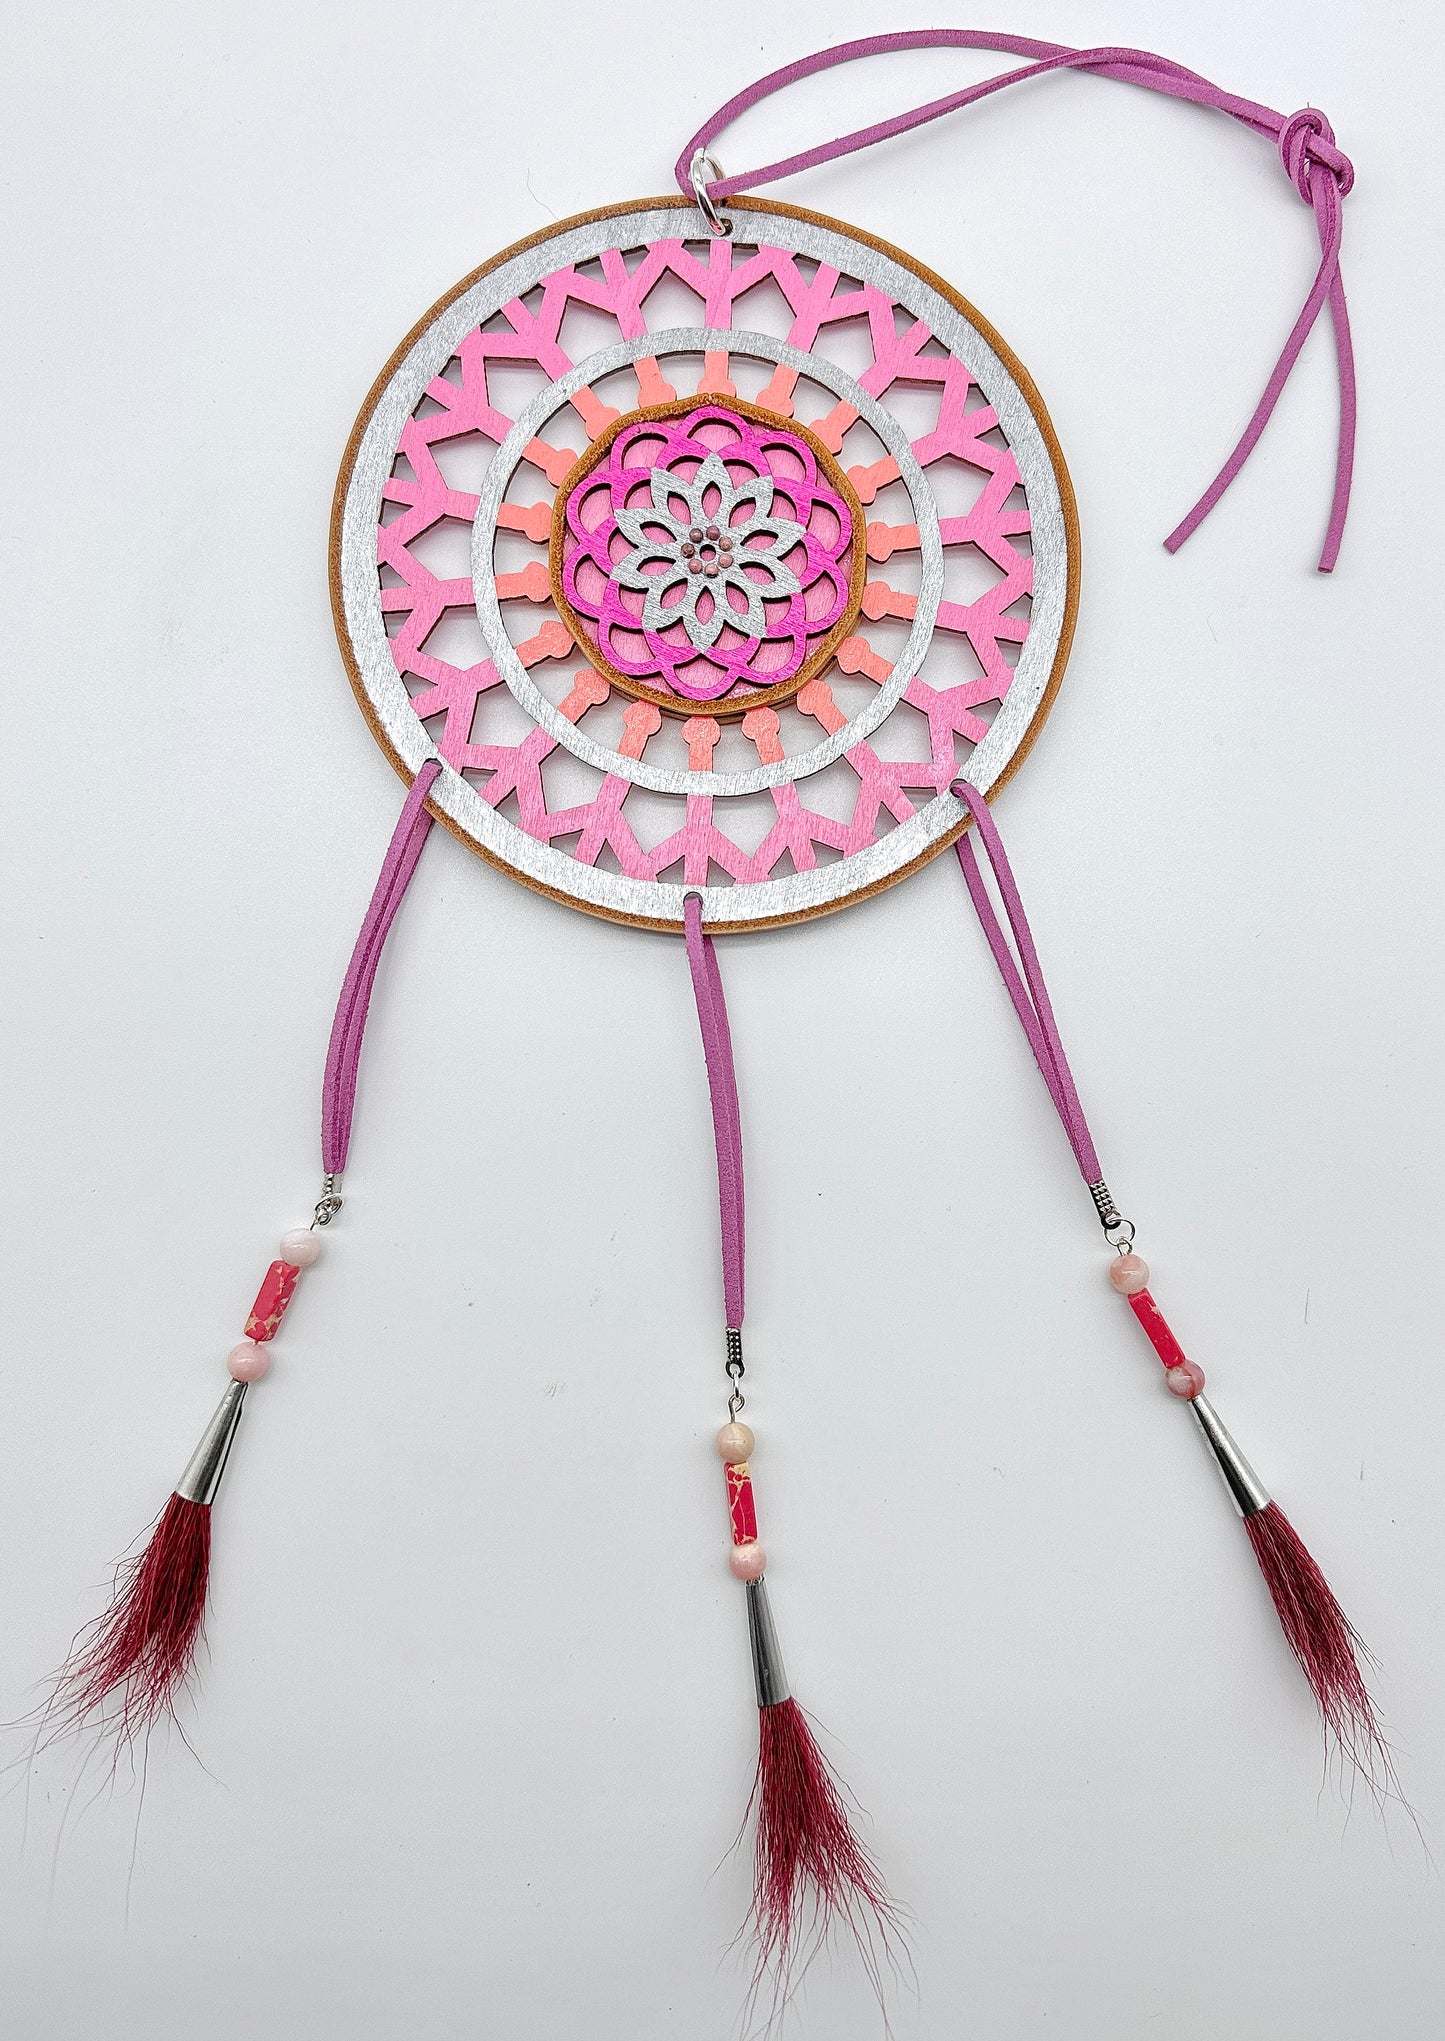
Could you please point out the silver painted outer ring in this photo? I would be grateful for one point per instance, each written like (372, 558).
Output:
(664, 779)
(655, 903)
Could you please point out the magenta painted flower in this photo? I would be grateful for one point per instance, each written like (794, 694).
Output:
(707, 552)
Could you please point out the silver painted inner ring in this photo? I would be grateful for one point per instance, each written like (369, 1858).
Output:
(666, 779)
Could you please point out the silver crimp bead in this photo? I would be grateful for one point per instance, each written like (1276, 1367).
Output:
(734, 1370)
(1118, 1231)
(1104, 1204)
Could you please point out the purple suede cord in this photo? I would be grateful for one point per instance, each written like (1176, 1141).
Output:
(1026, 989)
(343, 1054)
(1319, 171)
(722, 1083)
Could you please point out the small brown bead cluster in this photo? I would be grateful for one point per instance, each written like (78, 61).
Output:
(707, 548)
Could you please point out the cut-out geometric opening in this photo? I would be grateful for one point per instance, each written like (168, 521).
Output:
(832, 792)
(849, 343)
(512, 552)
(499, 718)
(445, 549)
(967, 574)
(671, 303)
(585, 331)
(915, 406)
(567, 782)
(956, 486)
(951, 662)
(511, 386)
(747, 819)
(763, 309)
(463, 462)
(456, 639)
(904, 735)
(653, 817)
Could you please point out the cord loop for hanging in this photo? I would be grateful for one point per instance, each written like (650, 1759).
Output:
(1320, 172)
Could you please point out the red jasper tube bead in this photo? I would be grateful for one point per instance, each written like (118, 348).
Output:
(1180, 1373)
(741, 1506)
(272, 1298)
(747, 1559)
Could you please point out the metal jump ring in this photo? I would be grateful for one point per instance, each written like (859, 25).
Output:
(702, 163)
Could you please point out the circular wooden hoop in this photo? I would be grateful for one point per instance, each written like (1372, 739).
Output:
(1026, 387)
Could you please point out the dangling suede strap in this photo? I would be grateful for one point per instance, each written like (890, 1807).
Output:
(1023, 977)
(343, 1054)
(722, 1083)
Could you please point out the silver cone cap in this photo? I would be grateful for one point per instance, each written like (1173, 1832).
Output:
(769, 1678)
(1247, 1492)
(208, 1463)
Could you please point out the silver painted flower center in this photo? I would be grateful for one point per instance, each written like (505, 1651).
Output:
(708, 554)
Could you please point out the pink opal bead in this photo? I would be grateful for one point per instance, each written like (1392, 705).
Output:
(736, 1444)
(747, 1561)
(301, 1248)
(1130, 1274)
(248, 1362)
(1186, 1380)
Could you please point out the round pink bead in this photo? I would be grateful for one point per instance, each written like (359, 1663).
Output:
(301, 1248)
(1130, 1274)
(248, 1362)
(1185, 1381)
(747, 1561)
(736, 1443)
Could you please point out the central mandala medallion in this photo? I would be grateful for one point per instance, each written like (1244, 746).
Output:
(708, 551)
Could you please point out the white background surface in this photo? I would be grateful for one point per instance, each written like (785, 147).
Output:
(477, 1725)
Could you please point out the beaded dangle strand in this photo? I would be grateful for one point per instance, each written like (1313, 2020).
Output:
(131, 1664)
(810, 1871)
(1318, 1632)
